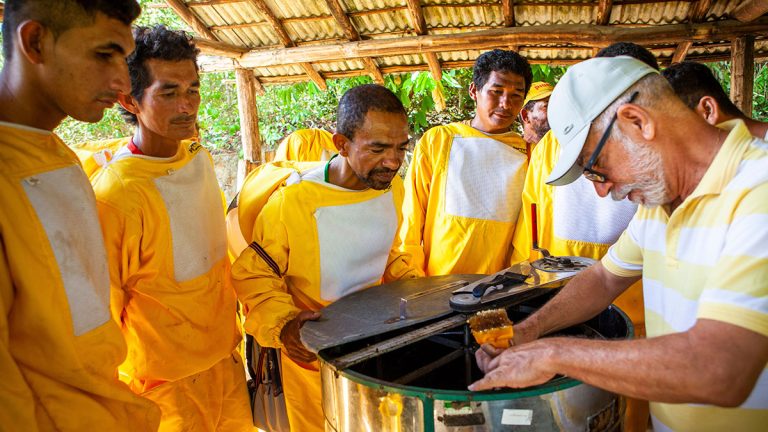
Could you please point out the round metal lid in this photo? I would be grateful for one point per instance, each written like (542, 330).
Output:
(381, 309)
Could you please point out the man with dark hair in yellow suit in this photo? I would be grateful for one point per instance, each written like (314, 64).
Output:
(328, 233)
(59, 347)
(163, 221)
(573, 221)
(462, 190)
(306, 145)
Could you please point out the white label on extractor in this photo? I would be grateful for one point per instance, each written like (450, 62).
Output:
(516, 417)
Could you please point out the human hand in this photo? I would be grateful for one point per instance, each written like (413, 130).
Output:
(291, 338)
(516, 367)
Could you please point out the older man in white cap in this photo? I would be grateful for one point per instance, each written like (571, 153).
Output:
(699, 240)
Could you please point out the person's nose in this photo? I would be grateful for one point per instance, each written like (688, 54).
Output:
(121, 82)
(187, 104)
(393, 160)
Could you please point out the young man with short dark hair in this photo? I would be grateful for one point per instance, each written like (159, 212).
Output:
(695, 84)
(162, 215)
(59, 347)
(462, 190)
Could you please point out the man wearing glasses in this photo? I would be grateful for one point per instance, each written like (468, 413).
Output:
(698, 240)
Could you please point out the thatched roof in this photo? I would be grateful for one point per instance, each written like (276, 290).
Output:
(286, 41)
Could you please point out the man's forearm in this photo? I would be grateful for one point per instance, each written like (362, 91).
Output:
(586, 295)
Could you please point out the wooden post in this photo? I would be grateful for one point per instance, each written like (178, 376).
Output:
(743, 73)
(249, 122)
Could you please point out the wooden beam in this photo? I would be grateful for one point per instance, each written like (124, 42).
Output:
(681, 51)
(314, 75)
(282, 34)
(373, 70)
(434, 66)
(578, 35)
(417, 17)
(191, 19)
(604, 8)
(508, 10)
(249, 115)
(275, 23)
(698, 11)
(350, 32)
(465, 64)
(219, 48)
(743, 72)
(750, 10)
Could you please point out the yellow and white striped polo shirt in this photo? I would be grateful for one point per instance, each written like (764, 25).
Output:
(708, 259)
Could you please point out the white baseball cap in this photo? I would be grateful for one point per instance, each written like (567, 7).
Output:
(584, 92)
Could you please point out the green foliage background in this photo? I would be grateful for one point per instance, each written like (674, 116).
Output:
(284, 109)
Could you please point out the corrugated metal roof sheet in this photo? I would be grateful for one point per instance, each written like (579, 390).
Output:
(310, 22)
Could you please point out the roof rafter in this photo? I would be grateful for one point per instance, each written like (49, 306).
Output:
(750, 10)
(604, 8)
(578, 35)
(696, 13)
(420, 26)
(351, 33)
(282, 34)
(508, 9)
(191, 19)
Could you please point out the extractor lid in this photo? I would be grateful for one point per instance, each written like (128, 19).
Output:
(381, 309)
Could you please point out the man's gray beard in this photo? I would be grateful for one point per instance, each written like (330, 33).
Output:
(649, 169)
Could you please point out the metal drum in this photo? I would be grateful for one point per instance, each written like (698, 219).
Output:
(414, 376)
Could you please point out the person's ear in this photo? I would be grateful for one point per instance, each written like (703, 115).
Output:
(128, 103)
(30, 40)
(708, 109)
(473, 91)
(342, 144)
(636, 122)
(524, 115)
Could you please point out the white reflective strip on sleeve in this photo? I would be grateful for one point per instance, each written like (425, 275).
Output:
(66, 207)
(355, 241)
(678, 312)
(485, 180)
(581, 214)
(193, 201)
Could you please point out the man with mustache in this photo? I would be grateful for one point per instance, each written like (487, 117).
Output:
(462, 190)
(59, 347)
(695, 84)
(327, 233)
(698, 240)
(533, 116)
(162, 216)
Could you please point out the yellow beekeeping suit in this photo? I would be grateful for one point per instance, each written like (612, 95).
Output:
(59, 347)
(163, 224)
(462, 198)
(327, 242)
(306, 145)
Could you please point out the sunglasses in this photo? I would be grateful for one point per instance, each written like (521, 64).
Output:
(589, 173)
